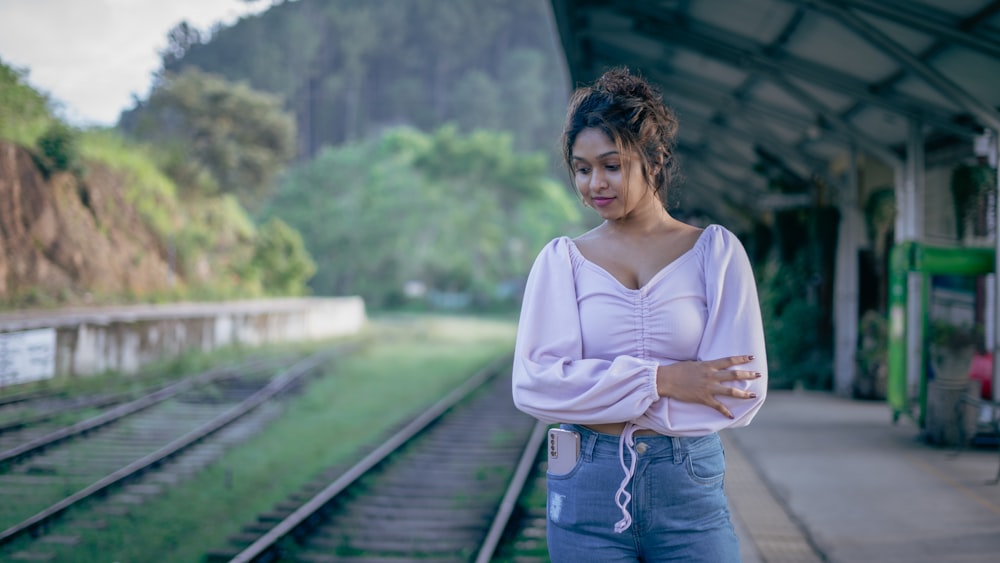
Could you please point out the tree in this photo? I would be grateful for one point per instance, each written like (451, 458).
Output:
(455, 213)
(527, 98)
(348, 69)
(217, 136)
(280, 259)
(477, 103)
(180, 39)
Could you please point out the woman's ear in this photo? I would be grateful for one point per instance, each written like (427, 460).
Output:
(655, 169)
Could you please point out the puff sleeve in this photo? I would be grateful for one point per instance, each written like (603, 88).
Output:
(733, 327)
(551, 379)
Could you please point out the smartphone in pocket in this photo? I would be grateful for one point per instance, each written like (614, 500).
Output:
(564, 450)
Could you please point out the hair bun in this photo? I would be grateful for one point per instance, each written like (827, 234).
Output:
(620, 82)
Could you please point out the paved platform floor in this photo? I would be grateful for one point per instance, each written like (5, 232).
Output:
(817, 477)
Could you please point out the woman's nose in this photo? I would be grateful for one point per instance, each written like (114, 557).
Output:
(599, 179)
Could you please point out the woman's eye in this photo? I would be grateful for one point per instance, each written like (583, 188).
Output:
(582, 170)
(612, 166)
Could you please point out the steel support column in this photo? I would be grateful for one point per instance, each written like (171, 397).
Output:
(909, 212)
(845, 313)
(915, 280)
(996, 268)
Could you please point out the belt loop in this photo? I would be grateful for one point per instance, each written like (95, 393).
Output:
(678, 449)
(588, 447)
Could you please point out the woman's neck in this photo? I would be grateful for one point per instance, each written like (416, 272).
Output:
(646, 220)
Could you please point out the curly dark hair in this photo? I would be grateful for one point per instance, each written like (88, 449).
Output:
(631, 112)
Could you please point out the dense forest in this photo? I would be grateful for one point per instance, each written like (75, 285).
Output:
(348, 69)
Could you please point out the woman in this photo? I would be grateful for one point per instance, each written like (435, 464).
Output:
(644, 336)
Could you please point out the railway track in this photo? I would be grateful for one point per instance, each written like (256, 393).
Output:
(31, 425)
(171, 432)
(32, 414)
(443, 488)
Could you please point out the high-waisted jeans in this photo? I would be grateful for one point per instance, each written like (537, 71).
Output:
(679, 508)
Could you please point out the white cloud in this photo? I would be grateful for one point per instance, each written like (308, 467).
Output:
(91, 56)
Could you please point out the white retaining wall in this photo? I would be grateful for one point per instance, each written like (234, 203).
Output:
(93, 340)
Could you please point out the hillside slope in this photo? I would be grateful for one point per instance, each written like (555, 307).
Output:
(67, 240)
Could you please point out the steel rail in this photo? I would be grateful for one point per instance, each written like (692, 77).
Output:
(23, 396)
(525, 467)
(85, 403)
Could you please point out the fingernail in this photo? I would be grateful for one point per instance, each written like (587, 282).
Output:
(757, 374)
(752, 357)
(753, 395)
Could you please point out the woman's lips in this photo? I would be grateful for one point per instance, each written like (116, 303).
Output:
(602, 201)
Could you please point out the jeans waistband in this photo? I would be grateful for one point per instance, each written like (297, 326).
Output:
(675, 447)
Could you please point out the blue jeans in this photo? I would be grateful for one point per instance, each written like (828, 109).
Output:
(679, 509)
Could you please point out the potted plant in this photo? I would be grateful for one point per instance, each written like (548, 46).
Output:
(872, 357)
(951, 348)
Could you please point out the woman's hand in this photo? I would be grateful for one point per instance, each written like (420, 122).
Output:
(702, 382)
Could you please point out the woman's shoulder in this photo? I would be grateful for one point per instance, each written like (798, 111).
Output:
(719, 236)
(558, 248)
(720, 245)
(556, 259)
(557, 245)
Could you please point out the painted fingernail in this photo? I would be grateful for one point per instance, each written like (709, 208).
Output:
(757, 375)
(753, 395)
(751, 357)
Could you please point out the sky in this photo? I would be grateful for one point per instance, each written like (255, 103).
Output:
(92, 56)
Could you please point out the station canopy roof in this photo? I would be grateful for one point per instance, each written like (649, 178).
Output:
(766, 87)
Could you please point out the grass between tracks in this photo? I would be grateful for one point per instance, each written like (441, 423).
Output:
(406, 364)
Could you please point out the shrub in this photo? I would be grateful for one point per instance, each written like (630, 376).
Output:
(281, 260)
(797, 353)
(59, 150)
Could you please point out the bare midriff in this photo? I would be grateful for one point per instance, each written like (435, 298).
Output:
(616, 428)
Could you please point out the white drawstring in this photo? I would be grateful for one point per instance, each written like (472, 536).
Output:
(627, 439)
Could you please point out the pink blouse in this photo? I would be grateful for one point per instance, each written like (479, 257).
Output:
(588, 347)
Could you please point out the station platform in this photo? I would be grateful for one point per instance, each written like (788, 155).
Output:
(817, 477)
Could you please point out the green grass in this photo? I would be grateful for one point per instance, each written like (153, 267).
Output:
(407, 364)
(25, 113)
(148, 188)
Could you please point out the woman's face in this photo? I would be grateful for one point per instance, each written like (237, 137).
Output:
(601, 179)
